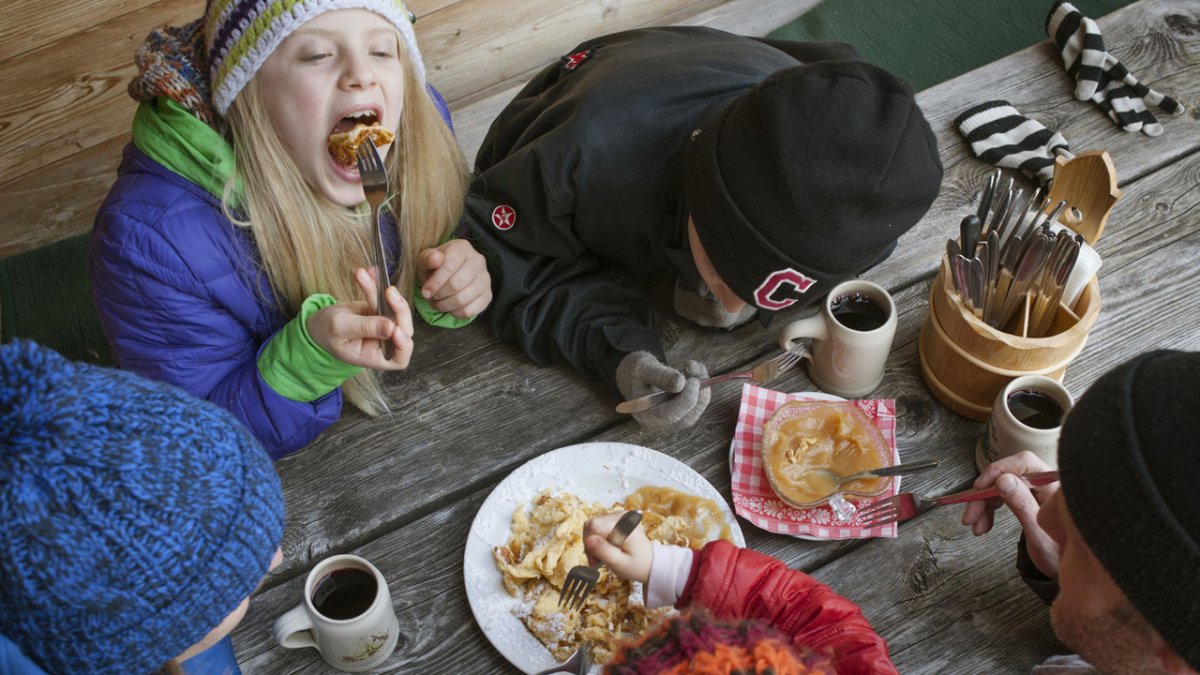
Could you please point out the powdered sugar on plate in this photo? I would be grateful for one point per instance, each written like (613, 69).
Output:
(599, 472)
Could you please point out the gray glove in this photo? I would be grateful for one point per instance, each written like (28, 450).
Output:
(701, 306)
(640, 373)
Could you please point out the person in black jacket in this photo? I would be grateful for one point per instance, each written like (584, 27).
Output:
(762, 172)
(1117, 547)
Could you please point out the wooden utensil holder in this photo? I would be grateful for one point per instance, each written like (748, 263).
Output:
(966, 362)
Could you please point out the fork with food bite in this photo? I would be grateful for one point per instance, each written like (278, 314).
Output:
(581, 579)
(375, 186)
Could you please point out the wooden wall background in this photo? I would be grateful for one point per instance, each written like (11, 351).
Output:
(64, 67)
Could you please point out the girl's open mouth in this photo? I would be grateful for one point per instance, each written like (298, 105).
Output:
(350, 132)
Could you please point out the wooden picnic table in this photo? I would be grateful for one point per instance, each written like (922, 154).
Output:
(402, 490)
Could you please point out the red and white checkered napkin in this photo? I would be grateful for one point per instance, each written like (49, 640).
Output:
(753, 498)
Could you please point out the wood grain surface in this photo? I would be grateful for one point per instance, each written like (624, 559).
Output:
(403, 490)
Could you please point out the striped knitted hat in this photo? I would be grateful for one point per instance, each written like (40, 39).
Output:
(696, 643)
(241, 34)
(135, 517)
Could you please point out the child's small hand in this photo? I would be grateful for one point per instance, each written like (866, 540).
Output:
(352, 332)
(631, 561)
(455, 278)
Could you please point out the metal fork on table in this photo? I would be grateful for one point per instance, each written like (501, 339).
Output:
(375, 185)
(759, 374)
(908, 505)
(581, 579)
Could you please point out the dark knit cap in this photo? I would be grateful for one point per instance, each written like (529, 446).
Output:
(699, 644)
(135, 517)
(1131, 480)
(808, 179)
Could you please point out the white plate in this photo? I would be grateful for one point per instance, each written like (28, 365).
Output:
(600, 472)
(808, 396)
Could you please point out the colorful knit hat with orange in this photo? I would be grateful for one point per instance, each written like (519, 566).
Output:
(697, 643)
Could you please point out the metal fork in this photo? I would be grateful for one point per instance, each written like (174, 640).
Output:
(582, 578)
(759, 374)
(579, 663)
(908, 505)
(375, 186)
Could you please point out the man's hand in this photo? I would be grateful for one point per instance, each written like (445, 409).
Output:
(352, 332)
(629, 561)
(1022, 501)
(640, 373)
(454, 278)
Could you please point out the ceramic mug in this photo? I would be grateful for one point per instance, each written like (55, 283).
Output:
(346, 614)
(1026, 415)
(851, 338)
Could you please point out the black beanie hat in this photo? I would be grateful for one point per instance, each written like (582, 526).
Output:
(1131, 479)
(808, 179)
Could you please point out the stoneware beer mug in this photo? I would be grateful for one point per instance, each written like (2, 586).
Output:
(1027, 415)
(346, 614)
(851, 338)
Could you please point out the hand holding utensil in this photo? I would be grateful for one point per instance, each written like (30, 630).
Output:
(907, 505)
(581, 579)
(375, 185)
(759, 374)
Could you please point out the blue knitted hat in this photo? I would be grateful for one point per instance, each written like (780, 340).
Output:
(135, 517)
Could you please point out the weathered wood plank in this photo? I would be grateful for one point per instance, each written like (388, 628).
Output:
(948, 602)
(29, 25)
(474, 44)
(57, 102)
(58, 201)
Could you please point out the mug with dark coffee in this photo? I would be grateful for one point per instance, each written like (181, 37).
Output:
(346, 614)
(851, 338)
(1026, 415)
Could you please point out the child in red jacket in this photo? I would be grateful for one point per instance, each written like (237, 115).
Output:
(789, 622)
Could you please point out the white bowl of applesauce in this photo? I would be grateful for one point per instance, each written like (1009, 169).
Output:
(805, 440)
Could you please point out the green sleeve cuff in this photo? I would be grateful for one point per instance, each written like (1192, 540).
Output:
(298, 368)
(434, 317)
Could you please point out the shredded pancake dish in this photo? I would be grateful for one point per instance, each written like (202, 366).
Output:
(546, 541)
(804, 441)
(343, 145)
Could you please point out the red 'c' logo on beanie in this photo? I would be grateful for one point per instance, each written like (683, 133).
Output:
(504, 217)
(783, 279)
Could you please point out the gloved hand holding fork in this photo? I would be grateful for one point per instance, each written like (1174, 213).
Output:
(641, 373)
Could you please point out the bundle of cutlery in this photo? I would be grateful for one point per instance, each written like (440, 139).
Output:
(1007, 252)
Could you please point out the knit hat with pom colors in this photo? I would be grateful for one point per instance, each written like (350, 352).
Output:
(697, 643)
(135, 517)
(241, 34)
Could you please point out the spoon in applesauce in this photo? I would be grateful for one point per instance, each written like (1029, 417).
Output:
(835, 481)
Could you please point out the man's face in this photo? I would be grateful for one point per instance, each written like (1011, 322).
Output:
(1091, 615)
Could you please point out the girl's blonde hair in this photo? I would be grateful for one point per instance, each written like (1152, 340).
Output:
(307, 244)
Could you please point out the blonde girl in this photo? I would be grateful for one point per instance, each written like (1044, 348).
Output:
(229, 255)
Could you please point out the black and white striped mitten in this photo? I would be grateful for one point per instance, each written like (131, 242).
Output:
(999, 134)
(1100, 77)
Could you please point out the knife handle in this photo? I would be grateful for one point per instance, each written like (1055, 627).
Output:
(1031, 479)
(382, 281)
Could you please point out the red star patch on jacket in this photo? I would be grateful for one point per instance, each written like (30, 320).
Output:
(504, 217)
(573, 61)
